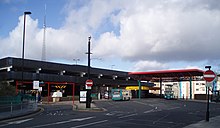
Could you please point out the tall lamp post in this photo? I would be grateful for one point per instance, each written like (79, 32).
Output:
(207, 108)
(76, 60)
(88, 94)
(22, 75)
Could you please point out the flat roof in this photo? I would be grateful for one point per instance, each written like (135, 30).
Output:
(166, 73)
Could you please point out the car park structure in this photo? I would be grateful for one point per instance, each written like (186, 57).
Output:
(56, 76)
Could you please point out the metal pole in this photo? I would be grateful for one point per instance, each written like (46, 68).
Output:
(22, 72)
(88, 94)
(207, 111)
(11, 108)
(207, 86)
(89, 57)
(73, 92)
(160, 87)
(190, 87)
(139, 85)
(48, 92)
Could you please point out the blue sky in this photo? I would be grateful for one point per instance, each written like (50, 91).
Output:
(12, 9)
(132, 36)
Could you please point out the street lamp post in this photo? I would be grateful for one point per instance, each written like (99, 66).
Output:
(88, 94)
(22, 74)
(76, 60)
(207, 108)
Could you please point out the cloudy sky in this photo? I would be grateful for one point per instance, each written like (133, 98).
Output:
(127, 35)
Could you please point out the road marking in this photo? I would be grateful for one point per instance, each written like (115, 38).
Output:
(62, 122)
(109, 114)
(98, 122)
(152, 110)
(154, 122)
(20, 121)
(173, 108)
(127, 116)
(16, 122)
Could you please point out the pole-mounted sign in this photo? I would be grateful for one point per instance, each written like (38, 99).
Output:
(209, 75)
(89, 84)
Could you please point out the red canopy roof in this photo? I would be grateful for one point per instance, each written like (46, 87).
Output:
(166, 73)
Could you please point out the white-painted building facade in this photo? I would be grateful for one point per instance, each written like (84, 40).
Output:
(182, 89)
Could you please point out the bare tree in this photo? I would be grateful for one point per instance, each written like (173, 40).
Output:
(6, 89)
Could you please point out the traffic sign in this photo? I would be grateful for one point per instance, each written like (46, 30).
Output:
(89, 82)
(36, 84)
(209, 75)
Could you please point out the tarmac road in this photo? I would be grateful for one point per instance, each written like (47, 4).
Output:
(155, 113)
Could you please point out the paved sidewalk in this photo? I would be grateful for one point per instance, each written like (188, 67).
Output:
(214, 122)
(80, 106)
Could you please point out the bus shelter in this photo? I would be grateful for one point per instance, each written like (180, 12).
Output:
(28, 85)
(168, 75)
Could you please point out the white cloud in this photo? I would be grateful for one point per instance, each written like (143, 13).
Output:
(149, 65)
(60, 43)
(151, 33)
(158, 32)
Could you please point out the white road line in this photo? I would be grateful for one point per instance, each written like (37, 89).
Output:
(83, 125)
(62, 122)
(161, 118)
(173, 108)
(16, 122)
(109, 114)
(20, 121)
(149, 111)
(127, 116)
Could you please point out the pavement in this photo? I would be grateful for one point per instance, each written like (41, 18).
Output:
(7, 116)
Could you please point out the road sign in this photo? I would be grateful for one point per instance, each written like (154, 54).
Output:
(36, 84)
(209, 75)
(89, 82)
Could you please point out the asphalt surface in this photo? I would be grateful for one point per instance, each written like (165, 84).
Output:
(155, 113)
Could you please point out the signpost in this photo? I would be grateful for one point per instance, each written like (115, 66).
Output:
(89, 84)
(82, 96)
(209, 76)
(36, 84)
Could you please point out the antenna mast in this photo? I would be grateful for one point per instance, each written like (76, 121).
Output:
(43, 57)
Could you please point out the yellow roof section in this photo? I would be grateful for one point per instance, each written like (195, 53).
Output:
(136, 88)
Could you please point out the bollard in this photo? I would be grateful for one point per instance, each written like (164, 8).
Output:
(21, 106)
(11, 108)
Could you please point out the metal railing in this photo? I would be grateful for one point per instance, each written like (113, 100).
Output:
(17, 104)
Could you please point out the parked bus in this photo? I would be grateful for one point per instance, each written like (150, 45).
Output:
(169, 93)
(121, 94)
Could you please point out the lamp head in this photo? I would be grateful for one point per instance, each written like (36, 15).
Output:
(27, 13)
(209, 67)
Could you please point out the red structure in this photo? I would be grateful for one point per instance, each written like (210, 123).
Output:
(49, 87)
(172, 74)
(168, 75)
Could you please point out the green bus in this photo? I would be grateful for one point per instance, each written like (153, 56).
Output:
(121, 94)
(169, 93)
